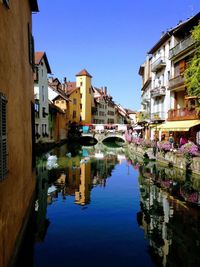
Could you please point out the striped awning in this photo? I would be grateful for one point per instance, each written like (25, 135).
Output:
(178, 126)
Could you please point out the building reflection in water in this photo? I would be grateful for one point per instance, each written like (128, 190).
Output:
(169, 213)
(76, 176)
(168, 217)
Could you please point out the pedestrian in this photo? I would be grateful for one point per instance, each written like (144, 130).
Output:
(183, 141)
(171, 140)
(163, 137)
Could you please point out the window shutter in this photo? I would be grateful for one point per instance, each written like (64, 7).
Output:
(31, 48)
(3, 138)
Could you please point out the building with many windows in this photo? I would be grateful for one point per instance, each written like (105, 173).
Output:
(42, 69)
(165, 101)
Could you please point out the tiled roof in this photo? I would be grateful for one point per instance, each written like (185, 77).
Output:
(70, 87)
(129, 111)
(39, 56)
(84, 72)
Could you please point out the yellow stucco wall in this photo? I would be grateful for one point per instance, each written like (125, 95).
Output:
(74, 107)
(84, 82)
(16, 82)
(61, 103)
(61, 120)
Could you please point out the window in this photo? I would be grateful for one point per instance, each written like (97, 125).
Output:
(169, 44)
(43, 112)
(36, 74)
(81, 106)
(89, 90)
(3, 137)
(81, 83)
(57, 101)
(176, 69)
(37, 109)
(81, 95)
(74, 114)
(36, 128)
(31, 47)
(42, 93)
(168, 75)
(74, 101)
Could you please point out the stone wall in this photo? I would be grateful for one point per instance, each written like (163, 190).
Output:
(175, 159)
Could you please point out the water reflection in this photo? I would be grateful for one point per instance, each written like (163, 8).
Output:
(149, 215)
(167, 218)
(75, 174)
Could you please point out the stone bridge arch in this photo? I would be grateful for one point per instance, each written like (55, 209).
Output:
(100, 137)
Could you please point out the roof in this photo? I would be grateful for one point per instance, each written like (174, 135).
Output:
(170, 32)
(52, 106)
(84, 72)
(71, 87)
(58, 90)
(129, 111)
(34, 5)
(42, 55)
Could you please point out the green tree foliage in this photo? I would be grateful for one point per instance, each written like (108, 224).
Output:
(192, 73)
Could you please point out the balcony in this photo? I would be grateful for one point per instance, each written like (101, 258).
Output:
(158, 91)
(160, 115)
(181, 47)
(158, 64)
(182, 114)
(176, 82)
(143, 116)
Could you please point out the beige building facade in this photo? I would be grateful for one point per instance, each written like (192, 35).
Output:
(17, 176)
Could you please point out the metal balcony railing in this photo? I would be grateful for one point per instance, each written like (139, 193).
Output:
(158, 64)
(180, 47)
(182, 114)
(158, 91)
(176, 81)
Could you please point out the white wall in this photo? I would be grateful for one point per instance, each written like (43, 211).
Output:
(41, 88)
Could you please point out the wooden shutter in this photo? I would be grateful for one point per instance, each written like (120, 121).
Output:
(33, 134)
(3, 138)
(31, 48)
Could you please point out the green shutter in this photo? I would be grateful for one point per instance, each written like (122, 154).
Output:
(3, 138)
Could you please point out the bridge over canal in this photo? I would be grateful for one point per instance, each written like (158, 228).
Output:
(102, 136)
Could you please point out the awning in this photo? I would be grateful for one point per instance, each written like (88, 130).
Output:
(178, 126)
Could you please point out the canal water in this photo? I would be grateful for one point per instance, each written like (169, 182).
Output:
(96, 207)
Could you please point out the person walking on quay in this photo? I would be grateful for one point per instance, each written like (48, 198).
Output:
(171, 140)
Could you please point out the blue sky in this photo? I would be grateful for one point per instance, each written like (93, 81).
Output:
(109, 38)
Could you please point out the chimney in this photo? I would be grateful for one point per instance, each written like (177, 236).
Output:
(65, 79)
(105, 90)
